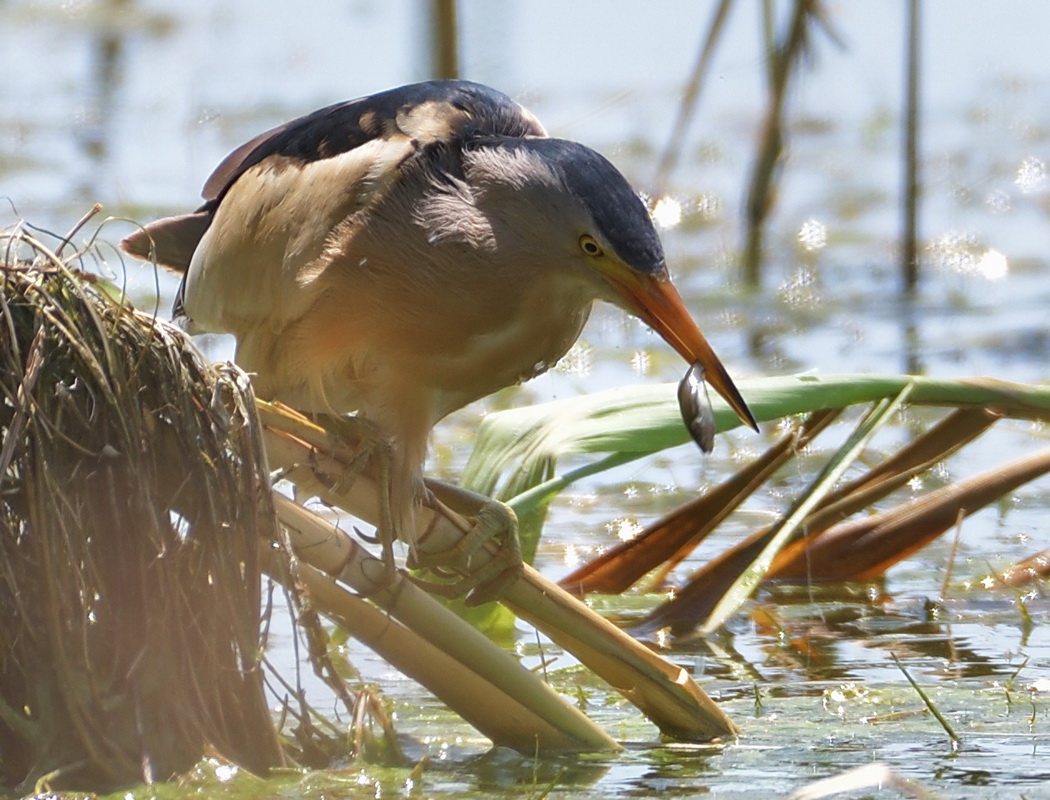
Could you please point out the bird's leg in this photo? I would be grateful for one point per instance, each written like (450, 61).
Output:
(364, 445)
(478, 520)
(481, 579)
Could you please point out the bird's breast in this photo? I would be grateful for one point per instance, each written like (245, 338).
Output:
(517, 344)
(490, 337)
(442, 345)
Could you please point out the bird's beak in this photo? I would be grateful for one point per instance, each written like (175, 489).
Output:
(654, 299)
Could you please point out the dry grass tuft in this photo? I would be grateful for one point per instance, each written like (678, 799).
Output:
(132, 498)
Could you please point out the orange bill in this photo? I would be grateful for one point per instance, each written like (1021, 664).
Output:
(654, 299)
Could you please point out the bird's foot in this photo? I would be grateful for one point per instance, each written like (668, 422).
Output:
(357, 442)
(485, 561)
(475, 555)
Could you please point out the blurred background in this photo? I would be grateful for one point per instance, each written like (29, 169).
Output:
(133, 102)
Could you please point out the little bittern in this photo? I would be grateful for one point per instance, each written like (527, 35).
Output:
(404, 254)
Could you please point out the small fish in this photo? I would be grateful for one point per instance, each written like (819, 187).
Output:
(695, 405)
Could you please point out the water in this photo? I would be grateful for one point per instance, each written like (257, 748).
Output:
(133, 103)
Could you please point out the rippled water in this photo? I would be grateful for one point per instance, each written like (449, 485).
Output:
(133, 103)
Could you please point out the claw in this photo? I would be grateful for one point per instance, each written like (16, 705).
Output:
(380, 581)
(462, 571)
(494, 523)
(476, 588)
(366, 537)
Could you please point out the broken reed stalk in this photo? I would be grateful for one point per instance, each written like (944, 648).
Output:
(885, 538)
(831, 547)
(664, 544)
(661, 690)
(1033, 568)
(132, 495)
(426, 641)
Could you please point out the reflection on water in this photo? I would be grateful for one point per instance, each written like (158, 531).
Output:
(796, 646)
(94, 131)
(911, 340)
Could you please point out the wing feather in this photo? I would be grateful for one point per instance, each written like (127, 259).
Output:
(271, 204)
(422, 111)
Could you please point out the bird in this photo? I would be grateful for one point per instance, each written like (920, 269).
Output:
(401, 255)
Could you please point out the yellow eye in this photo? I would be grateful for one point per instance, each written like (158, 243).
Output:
(590, 246)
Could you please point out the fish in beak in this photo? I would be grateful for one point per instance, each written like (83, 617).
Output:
(654, 299)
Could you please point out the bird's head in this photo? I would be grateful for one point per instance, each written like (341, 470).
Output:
(568, 199)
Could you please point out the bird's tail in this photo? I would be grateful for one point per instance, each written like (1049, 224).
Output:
(169, 242)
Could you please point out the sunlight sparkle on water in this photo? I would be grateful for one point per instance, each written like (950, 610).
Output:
(800, 290)
(224, 773)
(708, 207)
(571, 557)
(997, 201)
(963, 254)
(1031, 175)
(640, 362)
(813, 235)
(578, 361)
(992, 265)
(667, 212)
(954, 251)
(624, 528)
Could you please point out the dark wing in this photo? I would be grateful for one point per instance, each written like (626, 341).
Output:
(423, 112)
